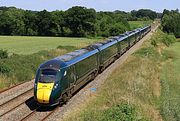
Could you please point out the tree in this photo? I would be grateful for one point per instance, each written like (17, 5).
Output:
(81, 21)
(12, 22)
(43, 22)
(112, 23)
(144, 13)
(171, 22)
(30, 20)
(57, 23)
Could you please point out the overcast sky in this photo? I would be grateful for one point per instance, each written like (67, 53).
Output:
(99, 5)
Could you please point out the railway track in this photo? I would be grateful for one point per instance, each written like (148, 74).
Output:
(29, 115)
(8, 95)
(15, 102)
(38, 115)
(11, 87)
(1, 91)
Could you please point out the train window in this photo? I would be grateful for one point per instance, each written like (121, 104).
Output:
(48, 76)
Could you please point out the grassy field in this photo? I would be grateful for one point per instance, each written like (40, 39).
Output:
(137, 24)
(134, 91)
(29, 45)
(170, 79)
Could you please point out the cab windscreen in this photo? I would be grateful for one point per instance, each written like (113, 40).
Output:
(48, 76)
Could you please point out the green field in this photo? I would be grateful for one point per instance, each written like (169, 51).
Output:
(170, 79)
(137, 24)
(29, 45)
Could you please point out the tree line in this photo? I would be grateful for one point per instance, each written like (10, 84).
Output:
(76, 21)
(171, 22)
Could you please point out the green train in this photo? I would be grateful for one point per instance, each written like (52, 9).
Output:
(59, 78)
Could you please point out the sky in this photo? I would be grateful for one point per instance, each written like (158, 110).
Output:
(98, 5)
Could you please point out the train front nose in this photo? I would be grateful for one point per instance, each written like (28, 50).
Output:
(44, 91)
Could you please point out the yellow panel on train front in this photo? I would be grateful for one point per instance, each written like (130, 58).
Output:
(44, 92)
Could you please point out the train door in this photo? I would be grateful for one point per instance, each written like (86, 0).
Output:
(72, 76)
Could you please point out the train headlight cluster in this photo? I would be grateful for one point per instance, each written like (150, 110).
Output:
(35, 85)
(55, 86)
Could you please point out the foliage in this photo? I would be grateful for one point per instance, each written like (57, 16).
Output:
(4, 69)
(138, 24)
(145, 14)
(171, 22)
(81, 21)
(76, 21)
(110, 24)
(168, 39)
(21, 68)
(11, 22)
(120, 112)
(3, 54)
(161, 37)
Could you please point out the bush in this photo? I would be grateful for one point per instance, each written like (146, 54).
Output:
(117, 29)
(123, 112)
(161, 37)
(20, 68)
(68, 48)
(3, 54)
(168, 39)
(4, 69)
(148, 52)
(154, 43)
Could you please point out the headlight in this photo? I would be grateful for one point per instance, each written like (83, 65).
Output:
(55, 86)
(35, 85)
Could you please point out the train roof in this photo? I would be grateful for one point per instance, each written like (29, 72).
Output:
(52, 64)
(104, 43)
(115, 38)
(122, 35)
(130, 33)
(66, 59)
(71, 55)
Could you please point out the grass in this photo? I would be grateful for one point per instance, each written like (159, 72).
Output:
(135, 90)
(137, 24)
(29, 45)
(170, 80)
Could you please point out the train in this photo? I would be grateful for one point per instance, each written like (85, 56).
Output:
(59, 78)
